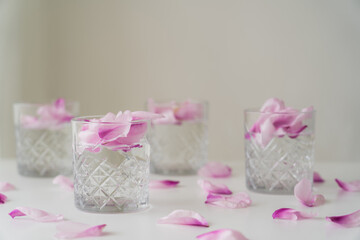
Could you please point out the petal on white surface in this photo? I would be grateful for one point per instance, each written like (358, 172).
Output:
(35, 214)
(222, 234)
(348, 220)
(184, 217)
(353, 186)
(317, 178)
(215, 170)
(70, 230)
(5, 186)
(64, 182)
(3, 198)
(214, 188)
(161, 184)
(239, 200)
(291, 214)
(303, 192)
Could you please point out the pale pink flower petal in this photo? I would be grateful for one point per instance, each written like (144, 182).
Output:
(239, 200)
(3, 198)
(70, 230)
(189, 111)
(139, 115)
(317, 178)
(35, 214)
(215, 170)
(214, 188)
(184, 217)
(291, 214)
(64, 182)
(5, 186)
(222, 234)
(163, 184)
(349, 220)
(303, 192)
(353, 186)
(272, 105)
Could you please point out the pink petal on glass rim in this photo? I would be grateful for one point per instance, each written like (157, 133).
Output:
(212, 188)
(239, 200)
(349, 220)
(353, 186)
(317, 178)
(5, 186)
(184, 217)
(142, 115)
(222, 234)
(291, 214)
(272, 105)
(70, 230)
(3, 198)
(64, 182)
(303, 192)
(163, 184)
(35, 214)
(188, 111)
(215, 170)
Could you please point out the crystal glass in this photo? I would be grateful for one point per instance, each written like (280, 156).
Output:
(110, 176)
(43, 140)
(179, 141)
(277, 159)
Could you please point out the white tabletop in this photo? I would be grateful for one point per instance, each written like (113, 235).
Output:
(255, 222)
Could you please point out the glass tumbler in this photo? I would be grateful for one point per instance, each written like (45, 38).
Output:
(279, 150)
(110, 175)
(43, 138)
(179, 140)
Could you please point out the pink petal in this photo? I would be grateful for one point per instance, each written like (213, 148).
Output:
(317, 178)
(212, 188)
(142, 115)
(5, 186)
(349, 220)
(3, 198)
(188, 111)
(64, 182)
(353, 186)
(222, 234)
(272, 105)
(215, 170)
(163, 184)
(303, 192)
(35, 214)
(70, 230)
(184, 217)
(239, 200)
(291, 214)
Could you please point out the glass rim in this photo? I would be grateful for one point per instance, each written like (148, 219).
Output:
(257, 110)
(32, 104)
(86, 119)
(168, 100)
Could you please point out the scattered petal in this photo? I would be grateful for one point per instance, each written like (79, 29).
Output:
(3, 198)
(291, 214)
(215, 170)
(35, 214)
(222, 234)
(70, 230)
(349, 220)
(184, 217)
(317, 178)
(353, 186)
(303, 192)
(239, 200)
(163, 184)
(5, 186)
(64, 182)
(212, 188)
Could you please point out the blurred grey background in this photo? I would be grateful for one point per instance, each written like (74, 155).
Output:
(113, 55)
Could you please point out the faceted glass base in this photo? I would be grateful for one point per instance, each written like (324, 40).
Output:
(112, 181)
(44, 152)
(178, 149)
(280, 165)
